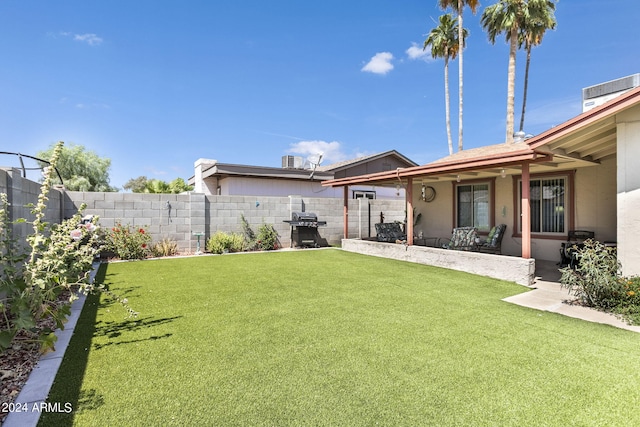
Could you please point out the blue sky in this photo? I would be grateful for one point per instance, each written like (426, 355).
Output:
(155, 85)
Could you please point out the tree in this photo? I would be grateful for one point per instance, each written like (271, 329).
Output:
(444, 43)
(81, 170)
(531, 34)
(509, 16)
(142, 184)
(178, 185)
(136, 185)
(458, 7)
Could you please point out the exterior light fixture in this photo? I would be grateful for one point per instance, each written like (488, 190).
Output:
(503, 173)
(397, 189)
(458, 178)
(423, 192)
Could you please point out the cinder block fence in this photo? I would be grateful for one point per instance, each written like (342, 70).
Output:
(179, 216)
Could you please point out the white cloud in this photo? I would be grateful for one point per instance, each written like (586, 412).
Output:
(380, 63)
(331, 151)
(416, 52)
(90, 39)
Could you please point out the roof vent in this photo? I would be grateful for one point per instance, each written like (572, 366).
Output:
(594, 96)
(292, 162)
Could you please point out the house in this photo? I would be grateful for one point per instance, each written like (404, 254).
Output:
(581, 174)
(296, 177)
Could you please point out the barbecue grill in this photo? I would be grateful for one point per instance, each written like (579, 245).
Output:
(304, 229)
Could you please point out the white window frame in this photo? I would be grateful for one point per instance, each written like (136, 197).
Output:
(364, 194)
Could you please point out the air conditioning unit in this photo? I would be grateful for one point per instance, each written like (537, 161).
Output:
(292, 162)
(594, 96)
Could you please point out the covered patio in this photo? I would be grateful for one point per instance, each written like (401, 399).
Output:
(567, 178)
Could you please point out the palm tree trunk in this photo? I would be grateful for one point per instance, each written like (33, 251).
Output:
(446, 103)
(526, 85)
(511, 84)
(461, 41)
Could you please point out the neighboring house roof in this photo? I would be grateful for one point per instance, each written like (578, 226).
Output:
(322, 173)
(225, 170)
(581, 141)
(334, 167)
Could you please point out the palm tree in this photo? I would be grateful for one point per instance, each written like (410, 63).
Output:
(531, 34)
(444, 43)
(458, 7)
(509, 16)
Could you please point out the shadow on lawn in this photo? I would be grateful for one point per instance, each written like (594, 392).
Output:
(67, 387)
(68, 383)
(115, 329)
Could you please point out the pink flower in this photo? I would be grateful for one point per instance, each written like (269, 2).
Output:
(76, 234)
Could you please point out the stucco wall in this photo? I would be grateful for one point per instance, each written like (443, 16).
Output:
(234, 186)
(437, 215)
(628, 191)
(595, 206)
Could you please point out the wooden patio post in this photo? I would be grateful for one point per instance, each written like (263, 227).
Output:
(409, 199)
(526, 212)
(345, 211)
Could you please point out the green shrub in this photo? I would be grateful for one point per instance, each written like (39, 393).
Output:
(165, 247)
(595, 281)
(249, 234)
(222, 242)
(128, 242)
(267, 238)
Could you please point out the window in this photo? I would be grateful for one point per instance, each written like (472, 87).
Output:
(473, 206)
(548, 201)
(363, 194)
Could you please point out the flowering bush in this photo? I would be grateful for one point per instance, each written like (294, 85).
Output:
(629, 303)
(267, 238)
(58, 258)
(128, 242)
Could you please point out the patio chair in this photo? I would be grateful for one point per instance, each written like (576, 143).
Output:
(569, 249)
(389, 232)
(462, 239)
(493, 243)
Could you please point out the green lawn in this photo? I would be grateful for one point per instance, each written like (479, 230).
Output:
(335, 338)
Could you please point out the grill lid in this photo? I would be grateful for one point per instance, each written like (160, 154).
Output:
(304, 216)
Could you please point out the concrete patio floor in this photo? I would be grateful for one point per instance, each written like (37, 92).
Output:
(547, 295)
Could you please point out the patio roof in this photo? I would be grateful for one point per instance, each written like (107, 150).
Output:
(582, 141)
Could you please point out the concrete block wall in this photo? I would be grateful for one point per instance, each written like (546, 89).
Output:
(172, 216)
(190, 213)
(21, 193)
(224, 214)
